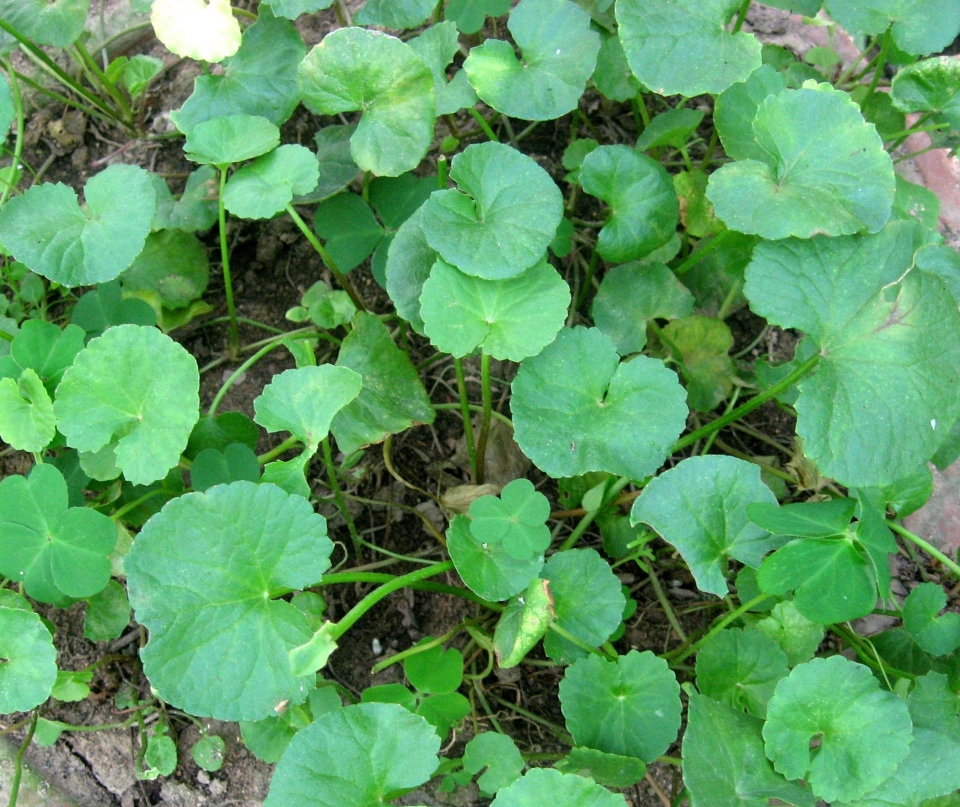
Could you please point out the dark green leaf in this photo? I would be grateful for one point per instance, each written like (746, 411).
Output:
(741, 668)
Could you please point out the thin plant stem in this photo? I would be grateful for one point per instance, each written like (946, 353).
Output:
(587, 520)
(18, 761)
(576, 640)
(345, 284)
(218, 399)
(475, 408)
(881, 64)
(587, 281)
(485, 421)
(741, 16)
(683, 653)
(439, 588)
(465, 413)
(558, 731)
(273, 453)
(88, 61)
(225, 263)
(926, 546)
(338, 495)
(18, 146)
(698, 255)
(913, 154)
(135, 504)
(415, 650)
(491, 135)
(667, 607)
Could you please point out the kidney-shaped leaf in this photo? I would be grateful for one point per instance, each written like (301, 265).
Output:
(231, 139)
(932, 85)
(559, 51)
(875, 332)
(58, 23)
(48, 230)
(488, 569)
(644, 210)
(683, 48)
(540, 786)
(820, 168)
(918, 27)
(56, 551)
(356, 69)
(205, 30)
(266, 186)
(28, 659)
(629, 707)
(576, 408)
(741, 668)
(135, 391)
(202, 577)
(503, 217)
(937, 635)
(358, 755)
(509, 319)
(864, 732)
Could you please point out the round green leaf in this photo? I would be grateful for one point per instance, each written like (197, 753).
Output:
(629, 707)
(469, 15)
(139, 72)
(932, 85)
(27, 422)
(203, 575)
(644, 210)
(213, 467)
(396, 14)
(488, 569)
(741, 668)
(135, 391)
(797, 636)
(820, 169)
(47, 229)
(56, 551)
(208, 752)
(576, 408)
(508, 319)
(108, 614)
(355, 69)
(28, 659)
(435, 671)
(633, 293)
(540, 786)
(736, 109)
(886, 327)
(937, 635)
(499, 755)
(260, 79)
(864, 732)
(683, 48)
(58, 23)
(559, 52)
(231, 139)
(409, 261)
(291, 9)
(503, 217)
(517, 519)
(392, 397)
(588, 601)
(347, 225)
(173, 266)
(266, 186)
(919, 27)
(205, 30)
(358, 756)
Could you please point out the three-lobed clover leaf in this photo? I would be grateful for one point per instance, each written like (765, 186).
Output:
(375, 750)
(630, 707)
(918, 27)
(205, 30)
(644, 210)
(304, 401)
(700, 507)
(58, 23)
(879, 323)
(356, 69)
(937, 635)
(818, 168)
(55, 550)
(132, 393)
(741, 668)
(576, 408)
(204, 575)
(259, 79)
(48, 230)
(28, 659)
(864, 732)
(559, 51)
(683, 48)
(230, 139)
(516, 519)
(266, 186)
(502, 218)
(510, 319)
(562, 789)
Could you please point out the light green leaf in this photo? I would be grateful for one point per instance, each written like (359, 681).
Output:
(173, 267)
(587, 600)
(213, 467)
(135, 391)
(230, 139)
(499, 755)
(355, 69)
(660, 38)
(267, 739)
(396, 14)
(864, 732)
(469, 15)
(291, 9)
(409, 261)
(644, 211)
(741, 668)
(937, 635)
(797, 636)
(43, 347)
(208, 752)
(700, 507)
(160, 757)
(932, 85)
(306, 659)
(574, 155)
(347, 225)
(878, 325)
(736, 109)
(630, 707)
(392, 397)
(326, 308)
(27, 422)
(724, 764)
(56, 551)
(516, 518)
(266, 186)
(437, 46)
(704, 344)
(219, 560)
(523, 623)
(576, 408)
(29, 667)
(509, 319)
(304, 401)
(820, 169)
(47, 229)
(919, 27)
(198, 29)
(58, 23)
(435, 671)
(671, 128)
(139, 72)
(72, 687)
(195, 210)
(108, 614)
(610, 770)
(7, 111)
(501, 219)
(914, 202)
(562, 790)
(559, 52)
(289, 475)
(612, 76)
(488, 569)
(376, 750)
(631, 294)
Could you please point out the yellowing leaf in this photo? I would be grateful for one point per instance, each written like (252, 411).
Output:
(201, 29)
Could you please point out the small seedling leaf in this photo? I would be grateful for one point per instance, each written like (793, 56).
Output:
(499, 755)
(172, 269)
(435, 671)
(937, 635)
(671, 128)
(195, 210)
(266, 186)
(701, 346)
(612, 76)
(205, 30)
(437, 46)
(797, 636)
(27, 422)
(208, 752)
(213, 467)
